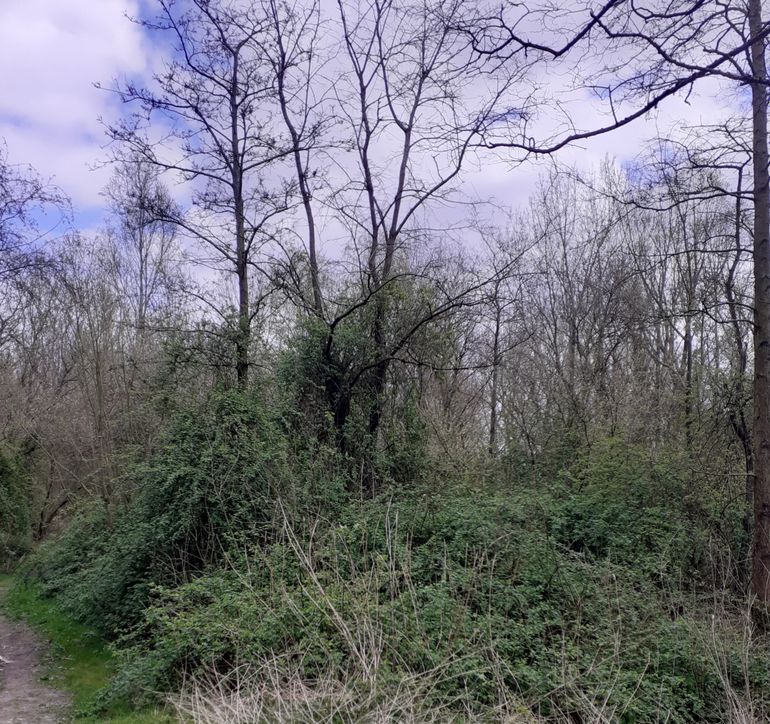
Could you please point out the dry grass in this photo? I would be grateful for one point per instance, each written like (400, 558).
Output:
(273, 692)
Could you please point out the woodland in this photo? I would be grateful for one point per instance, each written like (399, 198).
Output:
(309, 431)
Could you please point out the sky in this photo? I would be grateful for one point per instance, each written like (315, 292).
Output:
(52, 52)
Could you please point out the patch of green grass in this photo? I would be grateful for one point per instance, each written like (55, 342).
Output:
(80, 661)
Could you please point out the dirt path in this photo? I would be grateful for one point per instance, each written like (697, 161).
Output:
(24, 698)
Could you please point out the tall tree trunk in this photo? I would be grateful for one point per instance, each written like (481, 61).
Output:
(302, 181)
(760, 573)
(688, 385)
(380, 371)
(243, 333)
(243, 338)
(495, 381)
(738, 412)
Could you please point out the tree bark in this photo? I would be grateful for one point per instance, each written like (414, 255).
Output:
(760, 573)
(243, 333)
(494, 394)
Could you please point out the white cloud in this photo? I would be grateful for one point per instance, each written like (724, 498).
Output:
(712, 102)
(51, 53)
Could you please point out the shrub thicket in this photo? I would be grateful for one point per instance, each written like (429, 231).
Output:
(569, 595)
(15, 509)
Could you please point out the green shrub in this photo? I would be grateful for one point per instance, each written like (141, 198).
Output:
(470, 584)
(574, 594)
(620, 504)
(15, 509)
(210, 486)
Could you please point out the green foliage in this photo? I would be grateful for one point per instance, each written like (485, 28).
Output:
(210, 485)
(330, 401)
(15, 509)
(621, 505)
(404, 459)
(243, 544)
(542, 593)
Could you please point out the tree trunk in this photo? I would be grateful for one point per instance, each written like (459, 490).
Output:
(495, 381)
(760, 570)
(243, 333)
(688, 385)
(243, 339)
(738, 413)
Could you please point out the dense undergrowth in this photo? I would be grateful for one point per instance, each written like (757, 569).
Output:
(15, 508)
(246, 578)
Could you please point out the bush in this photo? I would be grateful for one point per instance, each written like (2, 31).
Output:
(15, 509)
(576, 598)
(470, 589)
(210, 486)
(618, 503)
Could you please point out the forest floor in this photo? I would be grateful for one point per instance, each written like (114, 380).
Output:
(24, 695)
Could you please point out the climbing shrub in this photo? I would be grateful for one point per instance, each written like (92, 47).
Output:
(209, 487)
(480, 590)
(15, 509)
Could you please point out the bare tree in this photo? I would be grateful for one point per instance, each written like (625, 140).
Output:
(212, 99)
(405, 98)
(662, 49)
(292, 47)
(142, 239)
(32, 212)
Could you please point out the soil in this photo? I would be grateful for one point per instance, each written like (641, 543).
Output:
(24, 697)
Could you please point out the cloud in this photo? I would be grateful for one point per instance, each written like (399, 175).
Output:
(51, 53)
(497, 175)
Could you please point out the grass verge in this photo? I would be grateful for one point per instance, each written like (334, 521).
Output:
(80, 661)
